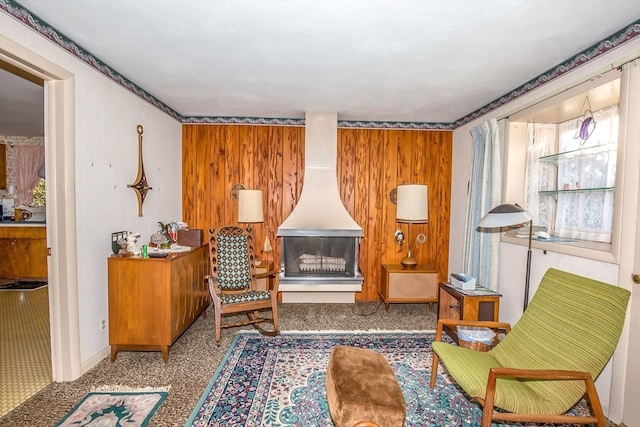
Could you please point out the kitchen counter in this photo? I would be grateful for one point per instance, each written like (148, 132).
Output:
(23, 224)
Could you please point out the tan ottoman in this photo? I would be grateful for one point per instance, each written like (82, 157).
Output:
(361, 386)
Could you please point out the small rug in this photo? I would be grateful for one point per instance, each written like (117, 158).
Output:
(22, 286)
(116, 406)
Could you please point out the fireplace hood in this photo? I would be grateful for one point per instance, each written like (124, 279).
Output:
(320, 211)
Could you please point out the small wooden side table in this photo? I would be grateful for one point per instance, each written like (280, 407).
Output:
(264, 266)
(409, 285)
(475, 304)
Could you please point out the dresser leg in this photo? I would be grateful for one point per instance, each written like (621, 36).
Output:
(165, 353)
(114, 353)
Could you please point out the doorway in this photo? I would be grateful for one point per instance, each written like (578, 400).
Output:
(25, 330)
(61, 202)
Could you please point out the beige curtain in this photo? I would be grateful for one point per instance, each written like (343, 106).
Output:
(29, 160)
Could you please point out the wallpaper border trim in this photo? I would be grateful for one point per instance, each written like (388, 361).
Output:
(40, 26)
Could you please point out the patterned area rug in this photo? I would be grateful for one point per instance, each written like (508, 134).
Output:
(116, 406)
(280, 381)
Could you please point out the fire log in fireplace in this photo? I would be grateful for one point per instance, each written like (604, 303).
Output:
(320, 257)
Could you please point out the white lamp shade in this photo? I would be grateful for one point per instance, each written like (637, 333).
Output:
(250, 206)
(412, 203)
(504, 216)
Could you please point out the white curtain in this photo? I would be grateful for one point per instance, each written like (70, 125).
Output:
(481, 249)
(542, 140)
(582, 164)
(596, 169)
(29, 160)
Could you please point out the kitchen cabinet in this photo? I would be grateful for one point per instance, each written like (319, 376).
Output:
(24, 252)
(152, 301)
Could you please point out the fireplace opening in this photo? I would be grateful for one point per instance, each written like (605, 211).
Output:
(313, 256)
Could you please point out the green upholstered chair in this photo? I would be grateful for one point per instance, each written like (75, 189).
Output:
(547, 362)
(233, 281)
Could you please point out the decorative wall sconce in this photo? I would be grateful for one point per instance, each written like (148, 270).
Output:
(393, 196)
(140, 186)
(235, 190)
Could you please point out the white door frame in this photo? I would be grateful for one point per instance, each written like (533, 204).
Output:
(626, 371)
(61, 205)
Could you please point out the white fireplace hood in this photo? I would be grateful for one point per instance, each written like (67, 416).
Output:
(320, 211)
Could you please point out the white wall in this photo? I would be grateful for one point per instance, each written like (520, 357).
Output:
(513, 256)
(106, 161)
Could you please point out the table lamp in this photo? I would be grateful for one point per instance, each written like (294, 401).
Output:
(250, 207)
(507, 215)
(412, 207)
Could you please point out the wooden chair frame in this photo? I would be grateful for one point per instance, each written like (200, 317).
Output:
(488, 413)
(251, 308)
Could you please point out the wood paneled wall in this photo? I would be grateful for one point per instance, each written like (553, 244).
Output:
(371, 163)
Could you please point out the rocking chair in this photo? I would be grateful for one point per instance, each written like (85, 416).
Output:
(233, 281)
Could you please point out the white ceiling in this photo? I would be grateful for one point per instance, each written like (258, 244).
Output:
(432, 61)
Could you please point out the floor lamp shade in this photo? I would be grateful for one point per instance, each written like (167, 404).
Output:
(250, 206)
(506, 215)
(412, 206)
(503, 216)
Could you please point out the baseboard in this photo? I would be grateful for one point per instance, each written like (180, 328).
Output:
(90, 363)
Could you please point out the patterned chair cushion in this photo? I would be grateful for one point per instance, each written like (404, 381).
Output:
(233, 265)
(245, 297)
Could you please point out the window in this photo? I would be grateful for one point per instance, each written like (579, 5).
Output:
(563, 171)
(571, 174)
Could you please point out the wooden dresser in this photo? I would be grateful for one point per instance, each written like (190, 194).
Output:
(152, 301)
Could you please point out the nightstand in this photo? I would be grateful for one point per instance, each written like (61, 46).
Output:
(409, 285)
(474, 304)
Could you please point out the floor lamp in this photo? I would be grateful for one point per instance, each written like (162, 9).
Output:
(510, 215)
(412, 206)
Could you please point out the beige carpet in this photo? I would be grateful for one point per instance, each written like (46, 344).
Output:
(194, 359)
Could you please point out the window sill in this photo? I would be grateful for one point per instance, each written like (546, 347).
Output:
(591, 250)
